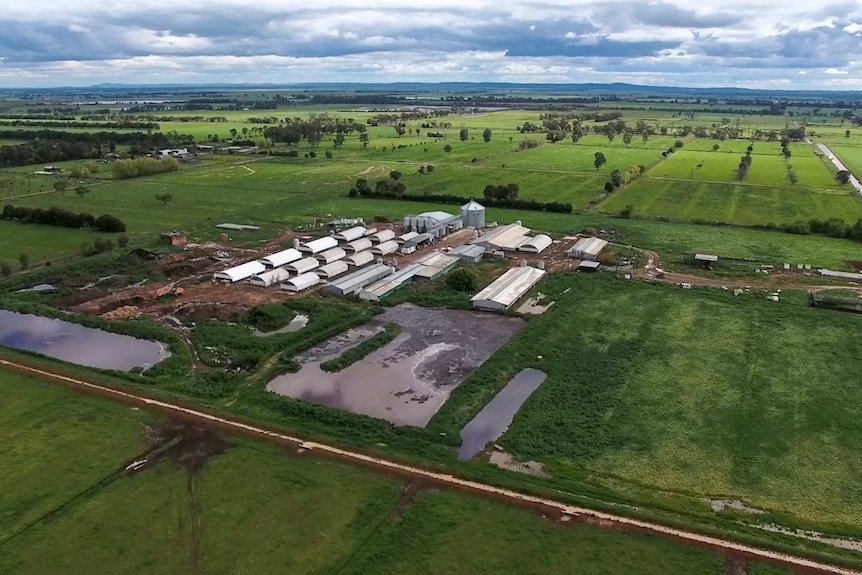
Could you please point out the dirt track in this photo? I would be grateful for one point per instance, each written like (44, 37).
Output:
(432, 478)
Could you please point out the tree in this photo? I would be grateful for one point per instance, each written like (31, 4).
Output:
(24, 260)
(82, 191)
(611, 135)
(645, 136)
(5, 269)
(786, 152)
(338, 141)
(60, 186)
(123, 241)
(609, 187)
(843, 176)
(164, 198)
(363, 139)
(109, 223)
(576, 135)
(429, 168)
(462, 280)
(328, 154)
(678, 144)
(715, 147)
(627, 138)
(486, 135)
(421, 169)
(447, 148)
(847, 133)
(599, 160)
(395, 175)
(627, 212)
(464, 134)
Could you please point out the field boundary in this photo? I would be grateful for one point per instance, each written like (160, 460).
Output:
(561, 509)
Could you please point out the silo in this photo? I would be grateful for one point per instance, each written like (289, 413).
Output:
(473, 214)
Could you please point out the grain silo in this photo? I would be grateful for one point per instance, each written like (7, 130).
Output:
(473, 215)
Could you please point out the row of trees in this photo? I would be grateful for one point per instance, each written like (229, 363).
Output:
(833, 227)
(125, 169)
(122, 125)
(63, 218)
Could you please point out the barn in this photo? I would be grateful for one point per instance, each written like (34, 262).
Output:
(270, 278)
(319, 245)
(304, 265)
(301, 282)
(240, 272)
(507, 289)
(281, 258)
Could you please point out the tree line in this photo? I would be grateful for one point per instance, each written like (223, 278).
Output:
(121, 125)
(59, 217)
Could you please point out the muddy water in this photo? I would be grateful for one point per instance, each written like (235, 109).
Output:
(406, 381)
(77, 344)
(496, 417)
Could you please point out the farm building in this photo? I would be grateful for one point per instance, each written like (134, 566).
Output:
(507, 238)
(385, 248)
(174, 238)
(270, 278)
(331, 270)
(406, 237)
(841, 275)
(357, 245)
(330, 256)
(370, 231)
(438, 223)
(302, 266)
(359, 258)
(319, 245)
(588, 266)
(469, 254)
(705, 258)
(587, 248)
(382, 236)
(418, 241)
(536, 244)
(281, 258)
(384, 287)
(301, 282)
(436, 264)
(351, 234)
(240, 272)
(473, 215)
(353, 282)
(507, 289)
(238, 227)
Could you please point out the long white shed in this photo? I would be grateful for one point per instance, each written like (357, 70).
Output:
(302, 266)
(240, 272)
(382, 236)
(537, 244)
(281, 258)
(330, 256)
(270, 278)
(357, 245)
(359, 258)
(350, 234)
(332, 270)
(507, 289)
(301, 282)
(385, 248)
(319, 245)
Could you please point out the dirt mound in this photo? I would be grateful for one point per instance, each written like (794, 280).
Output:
(124, 312)
(189, 445)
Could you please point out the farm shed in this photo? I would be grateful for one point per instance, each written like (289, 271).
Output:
(536, 244)
(705, 258)
(330, 256)
(418, 241)
(359, 258)
(406, 237)
(357, 245)
(319, 245)
(588, 266)
(353, 282)
(240, 272)
(304, 265)
(587, 248)
(382, 288)
(382, 236)
(385, 248)
(436, 264)
(507, 289)
(238, 227)
(437, 223)
(270, 278)
(281, 258)
(350, 234)
(331, 270)
(468, 253)
(508, 238)
(370, 231)
(473, 214)
(842, 275)
(301, 282)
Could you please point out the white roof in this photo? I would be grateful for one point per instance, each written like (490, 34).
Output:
(383, 236)
(336, 268)
(351, 234)
(358, 245)
(438, 215)
(385, 248)
(301, 282)
(359, 258)
(304, 265)
(435, 263)
(473, 206)
(330, 255)
(508, 288)
(282, 258)
(392, 282)
(270, 278)
(843, 275)
(536, 244)
(358, 279)
(406, 237)
(319, 245)
(590, 246)
(705, 257)
(240, 272)
(509, 237)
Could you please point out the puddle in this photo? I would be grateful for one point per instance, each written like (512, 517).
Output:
(38, 288)
(496, 417)
(408, 380)
(296, 324)
(78, 344)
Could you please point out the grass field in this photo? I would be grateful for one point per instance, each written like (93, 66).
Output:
(851, 156)
(254, 509)
(687, 392)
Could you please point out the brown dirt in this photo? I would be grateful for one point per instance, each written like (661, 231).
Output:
(856, 265)
(408, 492)
(736, 565)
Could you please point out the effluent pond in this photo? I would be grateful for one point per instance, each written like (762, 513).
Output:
(78, 344)
(409, 379)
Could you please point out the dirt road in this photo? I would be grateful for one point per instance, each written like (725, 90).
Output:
(564, 510)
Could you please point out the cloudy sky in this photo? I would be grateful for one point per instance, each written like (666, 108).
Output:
(744, 43)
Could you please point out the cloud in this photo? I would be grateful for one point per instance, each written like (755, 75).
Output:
(658, 41)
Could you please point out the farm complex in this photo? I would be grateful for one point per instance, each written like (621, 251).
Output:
(431, 332)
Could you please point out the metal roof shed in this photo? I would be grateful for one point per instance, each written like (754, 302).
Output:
(281, 258)
(240, 272)
(536, 244)
(380, 289)
(304, 265)
(357, 245)
(359, 259)
(301, 282)
(507, 289)
(270, 278)
(385, 248)
(353, 282)
(588, 266)
(468, 253)
(436, 264)
(332, 270)
(509, 237)
(350, 234)
(382, 236)
(705, 258)
(418, 240)
(319, 245)
(587, 248)
(330, 256)
(406, 237)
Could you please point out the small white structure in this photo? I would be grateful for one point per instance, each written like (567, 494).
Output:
(350, 234)
(385, 248)
(841, 275)
(507, 289)
(319, 245)
(536, 244)
(270, 278)
(359, 258)
(707, 258)
(301, 282)
(281, 258)
(330, 256)
(303, 266)
(382, 236)
(240, 272)
(357, 245)
(587, 248)
(331, 270)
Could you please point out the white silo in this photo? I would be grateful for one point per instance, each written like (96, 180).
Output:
(473, 214)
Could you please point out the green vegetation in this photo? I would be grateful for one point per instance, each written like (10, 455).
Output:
(356, 353)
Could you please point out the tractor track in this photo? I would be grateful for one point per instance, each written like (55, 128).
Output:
(547, 506)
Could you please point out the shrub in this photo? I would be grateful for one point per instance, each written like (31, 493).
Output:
(125, 169)
(109, 223)
(462, 280)
(328, 154)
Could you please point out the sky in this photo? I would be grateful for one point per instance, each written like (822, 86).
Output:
(785, 44)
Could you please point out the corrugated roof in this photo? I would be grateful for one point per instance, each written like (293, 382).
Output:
(281, 258)
(382, 236)
(330, 255)
(351, 234)
(240, 272)
(843, 275)
(359, 258)
(304, 265)
(705, 257)
(469, 251)
(301, 282)
(473, 206)
(390, 283)
(537, 244)
(358, 245)
(509, 287)
(328, 271)
(591, 246)
(319, 245)
(406, 237)
(438, 215)
(435, 263)
(360, 278)
(385, 248)
(508, 237)
(270, 278)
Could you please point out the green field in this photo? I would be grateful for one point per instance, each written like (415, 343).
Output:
(851, 156)
(255, 509)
